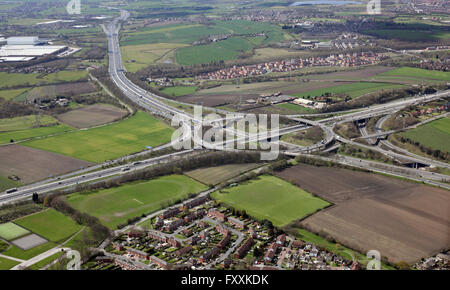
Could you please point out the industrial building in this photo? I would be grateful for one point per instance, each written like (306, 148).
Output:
(25, 48)
(24, 40)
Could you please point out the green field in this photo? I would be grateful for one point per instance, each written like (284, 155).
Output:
(17, 252)
(6, 183)
(11, 231)
(179, 91)
(271, 198)
(353, 90)
(21, 79)
(6, 137)
(188, 33)
(435, 135)
(408, 35)
(217, 51)
(6, 264)
(296, 108)
(46, 261)
(218, 174)
(3, 245)
(11, 94)
(50, 224)
(115, 206)
(139, 56)
(418, 73)
(109, 142)
(25, 122)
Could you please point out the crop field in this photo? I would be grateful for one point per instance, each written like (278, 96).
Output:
(11, 94)
(266, 53)
(139, 56)
(179, 90)
(217, 51)
(109, 142)
(418, 73)
(6, 264)
(188, 33)
(271, 198)
(93, 115)
(11, 231)
(408, 35)
(405, 221)
(20, 135)
(52, 91)
(354, 90)
(50, 224)
(32, 165)
(216, 175)
(25, 122)
(21, 79)
(115, 206)
(435, 135)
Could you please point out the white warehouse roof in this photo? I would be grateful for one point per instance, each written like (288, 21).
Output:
(20, 40)
(29, 50)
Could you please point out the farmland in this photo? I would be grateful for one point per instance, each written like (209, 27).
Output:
(218, 51)
(11, 94)
(108, 142)
(32, 165)
(271, 198)
(20, 79)
(139, 56)
(418, 73)
(188, 33)
(150, 44)
(20, 135)
(404, 221)
(353, 89)
(116, 205)
(216, 175)
(434, 135)
(179, 91)
(25, 122)
(408, 35)
(93, 115)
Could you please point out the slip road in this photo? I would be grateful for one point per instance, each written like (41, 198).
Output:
(229, 280)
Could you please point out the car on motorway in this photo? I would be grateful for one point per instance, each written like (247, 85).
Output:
(11, 190)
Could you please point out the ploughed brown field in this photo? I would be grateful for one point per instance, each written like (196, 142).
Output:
(404, 221)
(92, 115)
(33, 164)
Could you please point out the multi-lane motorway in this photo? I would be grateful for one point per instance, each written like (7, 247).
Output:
(156, 105)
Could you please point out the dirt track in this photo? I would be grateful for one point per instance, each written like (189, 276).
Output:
(403, 220)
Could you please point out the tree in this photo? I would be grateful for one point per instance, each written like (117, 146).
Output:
(35, 198)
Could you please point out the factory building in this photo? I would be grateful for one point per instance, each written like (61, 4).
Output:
(24, 40)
